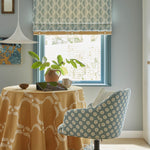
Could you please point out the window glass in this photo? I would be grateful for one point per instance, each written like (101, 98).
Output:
(85, 48)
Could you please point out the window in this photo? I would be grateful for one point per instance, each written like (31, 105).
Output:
(92, 50)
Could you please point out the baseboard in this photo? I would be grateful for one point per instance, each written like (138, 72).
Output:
(131, 134)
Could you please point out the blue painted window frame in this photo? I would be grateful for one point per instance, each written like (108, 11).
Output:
(38, 76)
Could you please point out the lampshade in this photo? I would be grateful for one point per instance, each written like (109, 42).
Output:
(18, 36)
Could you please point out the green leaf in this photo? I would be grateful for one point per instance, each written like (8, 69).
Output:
(55, 67)
(67, 61)
(47, 64)
(73, 63)
(79, 62)
(59, 59)
(64, 70)
(34, 55)
(36, 65)
(53, 83)
(44, 65)
(42, 85)
(62, 63)
(47, 70)
(44, 59)
(54, 62)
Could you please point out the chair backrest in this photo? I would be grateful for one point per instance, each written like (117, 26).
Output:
(112, 114)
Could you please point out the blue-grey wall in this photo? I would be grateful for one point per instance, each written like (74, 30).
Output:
(126, 52)
(15, 74)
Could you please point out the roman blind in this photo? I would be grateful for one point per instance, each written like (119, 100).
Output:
(79, 16)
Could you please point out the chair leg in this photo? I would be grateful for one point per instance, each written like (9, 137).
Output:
(96, 145)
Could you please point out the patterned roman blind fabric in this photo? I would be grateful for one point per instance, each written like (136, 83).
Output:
(72, 16)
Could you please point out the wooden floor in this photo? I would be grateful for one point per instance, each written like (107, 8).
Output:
(124, 144)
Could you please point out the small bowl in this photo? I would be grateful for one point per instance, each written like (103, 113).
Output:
(23, 85)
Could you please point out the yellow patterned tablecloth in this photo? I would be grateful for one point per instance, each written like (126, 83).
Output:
(29, 118)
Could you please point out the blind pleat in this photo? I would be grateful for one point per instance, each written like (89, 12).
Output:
(72, 16)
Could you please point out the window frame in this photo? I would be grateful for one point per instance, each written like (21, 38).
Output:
(38, 76)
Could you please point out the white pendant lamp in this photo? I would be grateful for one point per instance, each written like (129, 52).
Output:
(18, 36)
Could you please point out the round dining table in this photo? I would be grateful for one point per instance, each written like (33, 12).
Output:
(29, 118)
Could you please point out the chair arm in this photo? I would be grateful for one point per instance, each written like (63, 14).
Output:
(80, 122)
(60, 128)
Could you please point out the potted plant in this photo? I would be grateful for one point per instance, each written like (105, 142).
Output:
(54, 67)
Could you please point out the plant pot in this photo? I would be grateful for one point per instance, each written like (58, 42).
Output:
(52, 76)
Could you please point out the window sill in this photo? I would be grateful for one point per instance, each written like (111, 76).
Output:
(92, 84)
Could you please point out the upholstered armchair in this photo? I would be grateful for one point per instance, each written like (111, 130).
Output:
(104, 121)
